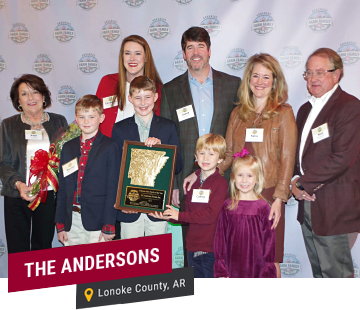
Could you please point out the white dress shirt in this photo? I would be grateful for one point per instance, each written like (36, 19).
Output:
(317, 106)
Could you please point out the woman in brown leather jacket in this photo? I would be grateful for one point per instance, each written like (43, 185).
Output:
(262, 115)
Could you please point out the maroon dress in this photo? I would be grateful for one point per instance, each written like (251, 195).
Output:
(244, 244)
(267, 193)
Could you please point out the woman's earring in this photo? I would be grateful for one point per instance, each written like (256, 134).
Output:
(44, 103)
(20, 107)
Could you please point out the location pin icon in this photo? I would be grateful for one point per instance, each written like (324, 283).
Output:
(88, 294)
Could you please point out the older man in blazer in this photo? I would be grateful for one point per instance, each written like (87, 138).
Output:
(199, 101)
(327, 181)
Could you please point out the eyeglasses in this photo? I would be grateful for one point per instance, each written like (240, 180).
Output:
(317, 74)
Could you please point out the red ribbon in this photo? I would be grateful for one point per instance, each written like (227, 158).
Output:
(42, 166)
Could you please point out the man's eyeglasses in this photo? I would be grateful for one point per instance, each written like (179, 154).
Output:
(317, 74)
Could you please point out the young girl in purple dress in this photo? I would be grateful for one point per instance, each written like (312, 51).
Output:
(244, 244)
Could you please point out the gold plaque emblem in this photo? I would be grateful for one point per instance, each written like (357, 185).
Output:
(254, 132)
(133, 195)
(201, 193)
(33, 132)
(319, 130)
(184, 110)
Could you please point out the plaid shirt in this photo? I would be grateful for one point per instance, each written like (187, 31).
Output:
(85, 148)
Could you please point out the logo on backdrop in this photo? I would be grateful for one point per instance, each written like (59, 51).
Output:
(134, 3)
(159, 28)
(43, 64)
(178, 257)
(2, 3)
(64, 32)
(290, 57)
(211, 24)
(263, 24)
(291, 202)
(183, 1)
(349, 53)
(88, 63)
(237, 59)
(66, 95)
(290, 266)
(86, 4)
(19, 33)
(356, 270)
(39, 4)
(319, 20)
(2, 68)
(2, 245)
(179, 62)
(111, 31)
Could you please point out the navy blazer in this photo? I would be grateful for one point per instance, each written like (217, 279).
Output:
(98, 188)
(161, 128)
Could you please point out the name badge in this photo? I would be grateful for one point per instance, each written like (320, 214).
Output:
(185, 113)
(201, 195)
(108, 102)
(70, 167)
(33, 134)
(254, 135)
(320, 133)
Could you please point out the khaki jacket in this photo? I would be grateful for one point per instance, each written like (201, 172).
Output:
(277, 151)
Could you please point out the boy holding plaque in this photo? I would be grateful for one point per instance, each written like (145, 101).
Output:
(88, 178)
(145, 126)
(203, 204)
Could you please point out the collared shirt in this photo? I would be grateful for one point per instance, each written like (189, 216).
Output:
(85, 148)
(203, 98)
(317, 105)
(143, 128)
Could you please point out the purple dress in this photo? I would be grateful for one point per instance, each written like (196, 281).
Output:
(244, 244)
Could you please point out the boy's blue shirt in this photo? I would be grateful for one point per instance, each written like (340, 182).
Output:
(161, 128)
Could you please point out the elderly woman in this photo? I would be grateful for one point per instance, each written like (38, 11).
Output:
(30, 97)
(135, 59)
(265, 125)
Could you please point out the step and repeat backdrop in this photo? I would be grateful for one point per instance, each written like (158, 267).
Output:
(72, 44)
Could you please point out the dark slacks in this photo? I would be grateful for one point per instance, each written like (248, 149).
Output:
(29, 230)
(330, 256)
(203, 264)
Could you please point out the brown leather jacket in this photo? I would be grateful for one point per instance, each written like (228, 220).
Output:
(277, 151)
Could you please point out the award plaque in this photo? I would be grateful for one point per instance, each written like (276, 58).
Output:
(146, 177)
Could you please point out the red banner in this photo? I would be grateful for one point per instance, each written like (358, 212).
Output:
(90, 263)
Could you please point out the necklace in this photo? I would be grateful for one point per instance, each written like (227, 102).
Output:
(37, 126)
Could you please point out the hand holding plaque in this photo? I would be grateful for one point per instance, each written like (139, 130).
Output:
(146, 177)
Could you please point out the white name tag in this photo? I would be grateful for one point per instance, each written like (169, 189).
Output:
(108, 102)
(185, 113)
(254, 135)
(201, 195)
(33, 134)
(320, 133)
(70, 167)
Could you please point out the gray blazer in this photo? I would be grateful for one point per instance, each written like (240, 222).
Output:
(176, 94)
(13, 149)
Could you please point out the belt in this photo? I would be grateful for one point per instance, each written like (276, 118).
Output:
(76, 209)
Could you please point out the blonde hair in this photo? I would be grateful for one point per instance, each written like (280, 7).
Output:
(211, 141)
(255, 165)
(149, 69)
(87, 102)
(278, 94)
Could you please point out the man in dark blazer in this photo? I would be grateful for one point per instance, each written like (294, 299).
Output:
(199, 101)
(327, 181)
(207, 95)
